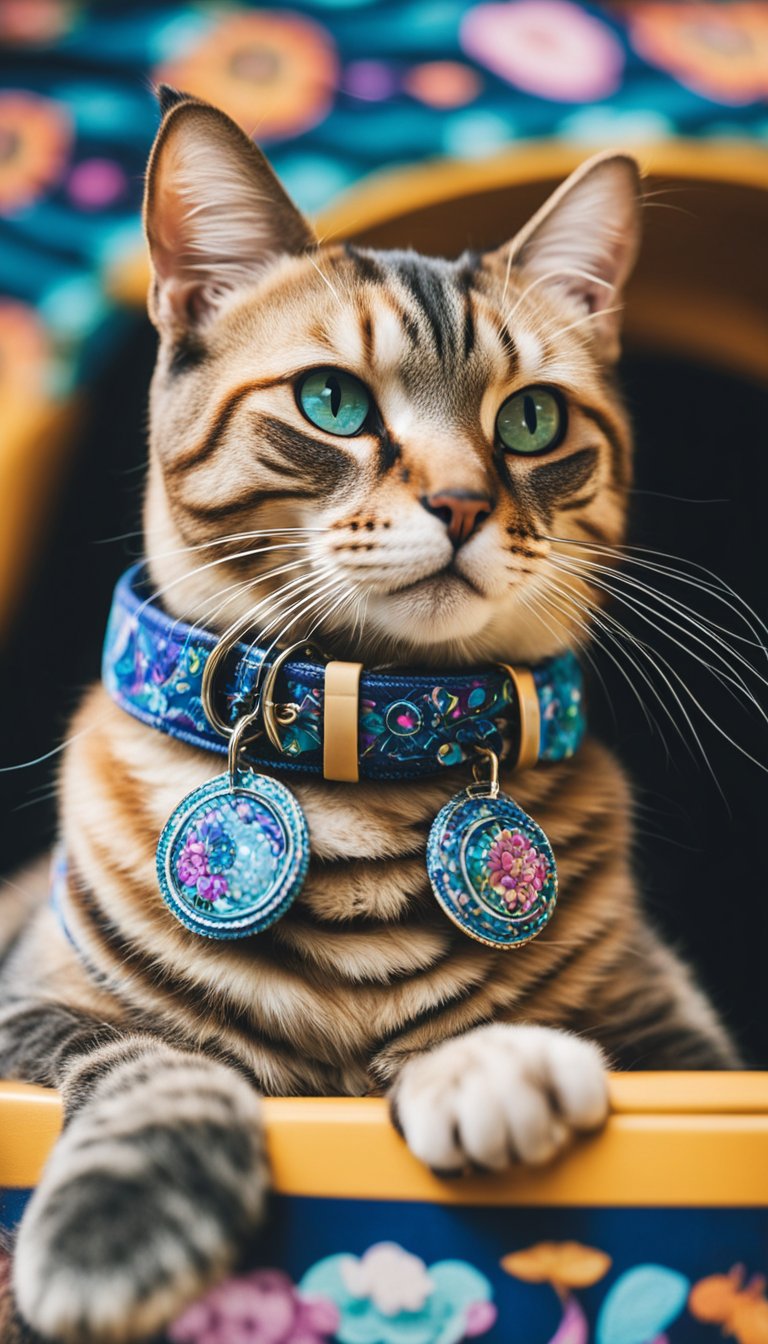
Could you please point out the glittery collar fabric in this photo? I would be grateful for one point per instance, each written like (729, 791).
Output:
(411, 723)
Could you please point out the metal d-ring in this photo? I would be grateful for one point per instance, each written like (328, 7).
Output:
(264, 704)
(238, 735)
(283, 715)
(208, 685)
(490, 756)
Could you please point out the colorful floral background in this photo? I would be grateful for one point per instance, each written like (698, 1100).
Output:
(389, 1295)
(335, 89)
(359, 1271)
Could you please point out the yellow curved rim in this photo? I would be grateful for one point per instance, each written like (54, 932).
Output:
(391, 193)
(35, 443)
(702, 320)
(690, 1140)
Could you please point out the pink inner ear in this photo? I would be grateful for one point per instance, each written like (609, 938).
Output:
(195, 305)
(168, 223)
(216, 215)
(583, 240)
(597, 297)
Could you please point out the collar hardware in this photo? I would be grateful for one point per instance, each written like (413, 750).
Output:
(491, 785)
(341, 718)
(234, 853)
(280, 715)
(194, 686)
(529, 716)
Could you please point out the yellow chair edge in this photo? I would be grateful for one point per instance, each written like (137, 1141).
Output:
(672, 1139)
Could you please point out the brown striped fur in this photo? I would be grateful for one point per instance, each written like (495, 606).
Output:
(160, 1040)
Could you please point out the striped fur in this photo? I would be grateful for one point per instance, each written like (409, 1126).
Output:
(161, 1041)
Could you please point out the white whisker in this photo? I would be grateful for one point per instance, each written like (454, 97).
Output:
(250, 535)
(47, 755)
(589, 317)
(658, 662)
(214, 606)
(555, 275)
(593, 615)
(326, 578)
(324, 278)
(720, 589)
(221, 560)
(640, 607)
(319, 597)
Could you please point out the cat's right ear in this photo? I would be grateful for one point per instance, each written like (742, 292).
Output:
(215, 215)
(583, 242)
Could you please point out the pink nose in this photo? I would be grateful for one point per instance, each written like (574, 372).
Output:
(460, 510)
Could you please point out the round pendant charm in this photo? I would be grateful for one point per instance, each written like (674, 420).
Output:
(492, 869)
(233, 855)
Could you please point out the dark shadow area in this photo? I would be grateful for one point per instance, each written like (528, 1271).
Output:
(702, 479)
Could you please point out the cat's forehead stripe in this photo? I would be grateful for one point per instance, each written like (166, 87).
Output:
(366, 338)
(367, 266)
(439, 309)
(428, 296)
(436, 297)
(469, 324)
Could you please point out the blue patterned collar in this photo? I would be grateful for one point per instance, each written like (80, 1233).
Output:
(411, 724)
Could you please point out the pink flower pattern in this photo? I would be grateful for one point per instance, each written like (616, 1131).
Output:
(208, 848)
(550, 48)
(517, 870)
(259, 1308)
(193, 863)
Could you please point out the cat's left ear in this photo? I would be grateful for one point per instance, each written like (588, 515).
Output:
(583, 242)
(215, 215)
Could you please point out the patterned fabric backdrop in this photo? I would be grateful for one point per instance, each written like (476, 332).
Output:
(334, 90)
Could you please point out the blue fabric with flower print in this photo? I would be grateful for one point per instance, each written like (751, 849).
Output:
(411, 724)
(337, 90)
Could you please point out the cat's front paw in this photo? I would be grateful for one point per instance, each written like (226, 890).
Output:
(137, 1214)
(499, 1095)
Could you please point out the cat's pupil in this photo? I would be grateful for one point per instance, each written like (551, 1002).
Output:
(334, 401)
(332, 386)
(529, 411)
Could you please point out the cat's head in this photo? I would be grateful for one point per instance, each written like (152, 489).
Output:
(388, 442)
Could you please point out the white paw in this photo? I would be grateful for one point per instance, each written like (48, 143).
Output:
(498, 1095)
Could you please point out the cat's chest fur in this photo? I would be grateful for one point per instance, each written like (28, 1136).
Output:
(365, 965)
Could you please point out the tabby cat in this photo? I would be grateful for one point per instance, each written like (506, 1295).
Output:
(425, 534)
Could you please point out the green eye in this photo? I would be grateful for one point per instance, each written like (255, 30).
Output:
(531, 421)
(334, 401)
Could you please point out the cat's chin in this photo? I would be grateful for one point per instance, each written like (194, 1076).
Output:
(444, 622)
(432, 613)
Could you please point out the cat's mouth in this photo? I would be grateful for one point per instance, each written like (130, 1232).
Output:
(439, 607)
(440, 576)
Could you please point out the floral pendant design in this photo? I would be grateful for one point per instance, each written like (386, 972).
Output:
(233, 855)
(492, 868)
